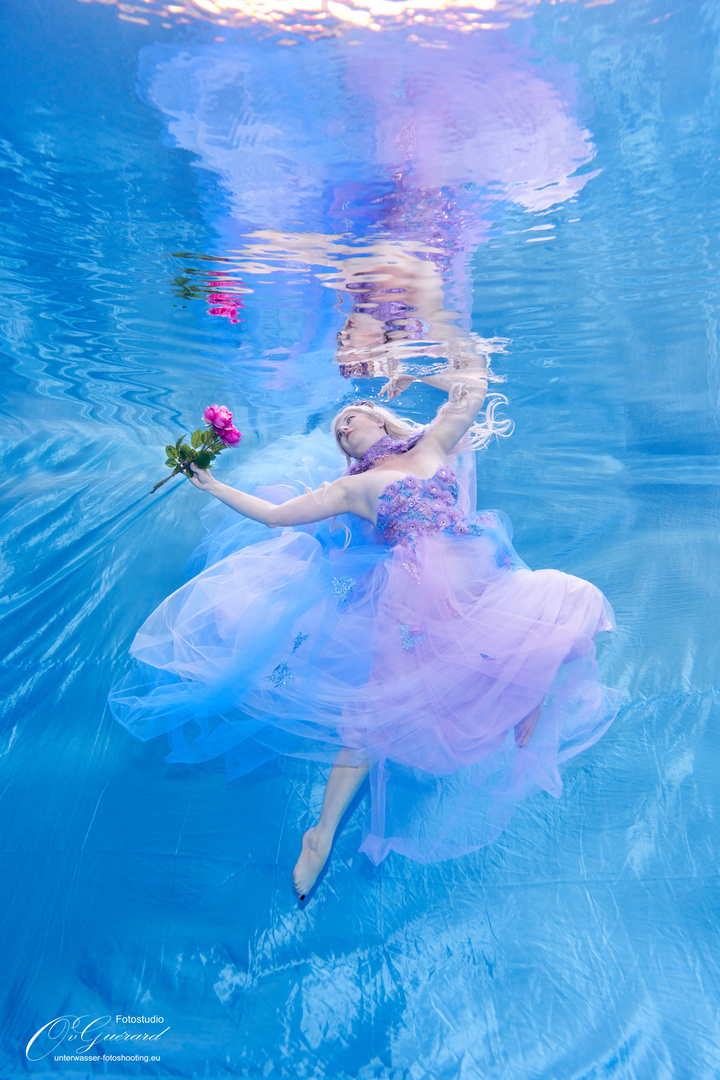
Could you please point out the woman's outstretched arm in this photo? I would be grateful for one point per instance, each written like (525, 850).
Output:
(326, 502)
(466, 393)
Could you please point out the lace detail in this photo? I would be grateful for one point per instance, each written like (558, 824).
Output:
(412, 636)
(412, 507)
(385, 447)
(342, 587)
(281, 675)
(411, 566)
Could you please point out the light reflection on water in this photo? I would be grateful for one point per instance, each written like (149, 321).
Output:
(319, 18)
(184, 221)
(392, 300)
(433, 149)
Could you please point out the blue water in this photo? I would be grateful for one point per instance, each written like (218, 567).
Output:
(555, 180)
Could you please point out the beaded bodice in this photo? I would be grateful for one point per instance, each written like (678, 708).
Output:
(411, 507)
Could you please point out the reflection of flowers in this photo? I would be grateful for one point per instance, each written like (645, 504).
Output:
(219, 292)
(204, 446)
(223, 303)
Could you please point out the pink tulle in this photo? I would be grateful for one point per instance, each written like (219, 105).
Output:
(463, 678)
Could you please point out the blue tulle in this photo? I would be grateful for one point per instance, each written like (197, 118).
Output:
(463, 679)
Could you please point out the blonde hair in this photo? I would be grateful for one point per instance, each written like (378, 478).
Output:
(400, 427)
(483, 430)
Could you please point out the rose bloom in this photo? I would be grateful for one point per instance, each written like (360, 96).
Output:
(219, 416)
(230, 435)
(227, 310)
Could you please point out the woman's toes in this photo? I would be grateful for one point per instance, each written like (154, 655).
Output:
(313, 857)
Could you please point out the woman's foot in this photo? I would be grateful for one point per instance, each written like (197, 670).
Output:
(314, 855)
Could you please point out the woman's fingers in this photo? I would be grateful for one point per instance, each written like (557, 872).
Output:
(396, 385)
(390, 389)
(199, 477)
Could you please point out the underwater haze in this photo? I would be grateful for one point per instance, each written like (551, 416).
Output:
(196, 204)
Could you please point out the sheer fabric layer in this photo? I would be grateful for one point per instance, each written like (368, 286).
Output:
(426, 658)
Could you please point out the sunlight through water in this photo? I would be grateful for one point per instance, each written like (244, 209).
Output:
(279, 206)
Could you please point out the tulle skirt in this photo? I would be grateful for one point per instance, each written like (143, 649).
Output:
(431, 666)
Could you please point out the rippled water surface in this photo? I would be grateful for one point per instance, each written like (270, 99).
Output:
(204, 202)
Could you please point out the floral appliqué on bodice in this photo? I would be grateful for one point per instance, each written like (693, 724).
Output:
(411, 507)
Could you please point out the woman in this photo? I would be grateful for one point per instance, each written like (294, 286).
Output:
(422, 650)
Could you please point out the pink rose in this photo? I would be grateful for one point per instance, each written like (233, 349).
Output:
(224, 285)
(230, 435)
(224, 304)
(219, 416)
(227, 311)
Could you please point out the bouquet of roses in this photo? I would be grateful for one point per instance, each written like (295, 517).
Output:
(204, 445)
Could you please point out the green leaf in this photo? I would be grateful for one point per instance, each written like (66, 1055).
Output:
(177, 444)
(196, 439)
(171, 462)
(184, 453)
(203, 459)
(170, 451)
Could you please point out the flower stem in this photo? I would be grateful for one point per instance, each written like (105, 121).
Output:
(161, 482)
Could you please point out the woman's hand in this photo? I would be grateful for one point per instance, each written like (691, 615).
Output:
(201, 478)
(395, 386)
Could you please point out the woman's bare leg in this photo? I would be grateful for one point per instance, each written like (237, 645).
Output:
(342, 784)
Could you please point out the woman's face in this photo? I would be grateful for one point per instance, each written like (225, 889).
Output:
(357, 431)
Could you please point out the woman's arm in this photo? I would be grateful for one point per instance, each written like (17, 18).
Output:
(466, 393)
(326, 502)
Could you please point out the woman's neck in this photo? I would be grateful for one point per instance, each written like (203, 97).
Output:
(383, 448)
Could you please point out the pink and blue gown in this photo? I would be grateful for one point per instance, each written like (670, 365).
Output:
(424, 647)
